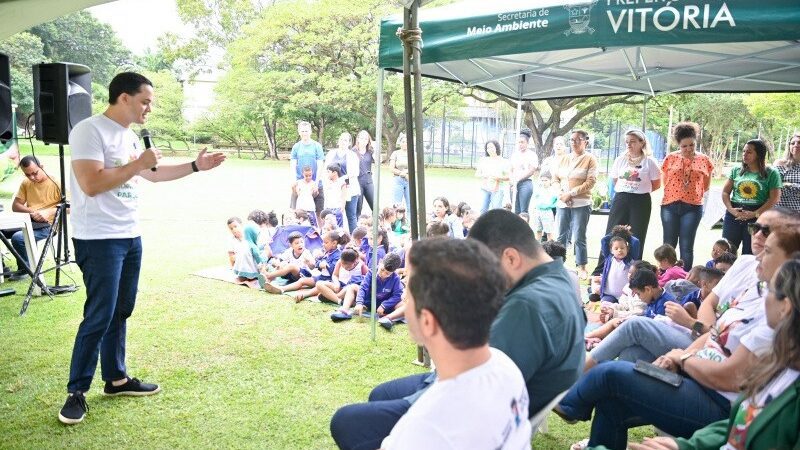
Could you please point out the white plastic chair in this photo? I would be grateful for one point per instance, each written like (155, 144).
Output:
(539, 420)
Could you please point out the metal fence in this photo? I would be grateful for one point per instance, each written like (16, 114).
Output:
(459, 141)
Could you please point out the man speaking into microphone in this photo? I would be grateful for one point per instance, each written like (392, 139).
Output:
(107, 164)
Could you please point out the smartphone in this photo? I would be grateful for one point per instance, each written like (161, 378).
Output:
(658, 373)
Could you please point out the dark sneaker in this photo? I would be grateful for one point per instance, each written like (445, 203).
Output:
(341, 315)
(18, 275)
(133, 387)
(386, 323)
(74, 409)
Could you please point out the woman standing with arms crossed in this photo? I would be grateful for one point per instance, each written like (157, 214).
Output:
(789, 169)
(366, 159)
(398, 164)
(576, 174)
(686, 177)
(750, 190)
(636, 174)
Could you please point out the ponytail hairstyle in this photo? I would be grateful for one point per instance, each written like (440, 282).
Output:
(384, 238)
(667, 253)
(639, 134)
(341, 239)
(272, 219)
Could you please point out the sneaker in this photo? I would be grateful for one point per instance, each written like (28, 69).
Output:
(74, 409)
(18, 275)
(132, 387)
(338, 316)
(386, 323)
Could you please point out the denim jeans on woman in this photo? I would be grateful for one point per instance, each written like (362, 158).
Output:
(623, 398)
(491, 200)
(524, 194)
(111, 277)
(680, 221)
(572, 228)
(401, 192)
(640, 337)
(736, 231)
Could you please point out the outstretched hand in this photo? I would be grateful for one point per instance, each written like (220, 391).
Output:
(208, 161)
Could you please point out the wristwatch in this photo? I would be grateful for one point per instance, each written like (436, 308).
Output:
(686, 356)
(698, 328)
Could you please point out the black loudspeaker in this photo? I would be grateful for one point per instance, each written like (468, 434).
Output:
(62, 97)
(5, 99)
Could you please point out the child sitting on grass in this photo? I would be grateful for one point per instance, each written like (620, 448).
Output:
(350, 270)
(719, 247)
(435, 229)
(249, 259)
(324, 263)
(289, 264)
(724, 261)
(383, 247)
(670, 268)
(235, 227)
(400, 225)
(707, 279)
(388, 291)
(643, 285)
(615, 270)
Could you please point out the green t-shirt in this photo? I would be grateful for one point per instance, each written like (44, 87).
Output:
(750, 188)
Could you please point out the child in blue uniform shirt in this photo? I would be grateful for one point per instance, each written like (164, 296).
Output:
(644, 284)
(389, 289)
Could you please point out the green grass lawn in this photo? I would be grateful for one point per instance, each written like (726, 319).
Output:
(239, 368)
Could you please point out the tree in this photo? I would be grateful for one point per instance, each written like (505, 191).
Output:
(166, 118)
(24, 50)
(82, 39)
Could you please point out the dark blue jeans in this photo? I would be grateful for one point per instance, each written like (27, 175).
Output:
(111, 276)
(736, 232)
(523, 198)
(350, 208)
(622, 399)
(363, 426)
(680, 221)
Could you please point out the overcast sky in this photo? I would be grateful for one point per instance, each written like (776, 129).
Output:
(139, 22)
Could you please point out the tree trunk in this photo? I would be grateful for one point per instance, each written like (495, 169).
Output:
(269, 133)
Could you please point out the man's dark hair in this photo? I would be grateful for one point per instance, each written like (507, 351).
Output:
(26, 161)
(555, 249)
(234, 219)
(499, 229)
(335, 167)
(709, 275)
(643, 278)
(391, 262)
(460, 282)
(725, 258)
(526, 133)
(126, 83)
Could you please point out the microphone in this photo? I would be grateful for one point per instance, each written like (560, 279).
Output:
(148, 143)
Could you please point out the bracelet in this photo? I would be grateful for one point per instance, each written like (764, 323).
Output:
(194, 167)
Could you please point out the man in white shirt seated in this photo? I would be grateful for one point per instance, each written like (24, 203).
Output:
(479, 398)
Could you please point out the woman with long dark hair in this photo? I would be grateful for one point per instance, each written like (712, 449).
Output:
(366, 158)
(493, 170)
(750, 190)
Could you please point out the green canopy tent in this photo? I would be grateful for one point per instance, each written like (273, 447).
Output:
(541, 49)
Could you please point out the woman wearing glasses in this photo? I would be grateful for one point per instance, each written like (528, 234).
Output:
(713, 367)
(789, 168)
(686, 177)
(767, 415)
(576, 174)
(750, 190)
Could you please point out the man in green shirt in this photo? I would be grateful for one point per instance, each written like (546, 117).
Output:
(540, 327)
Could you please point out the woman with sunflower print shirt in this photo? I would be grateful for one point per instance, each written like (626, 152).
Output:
(750, 190)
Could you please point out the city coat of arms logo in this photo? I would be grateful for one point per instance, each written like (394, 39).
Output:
(579, 15)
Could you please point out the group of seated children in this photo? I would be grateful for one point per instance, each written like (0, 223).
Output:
(628, 288)
(338, 272)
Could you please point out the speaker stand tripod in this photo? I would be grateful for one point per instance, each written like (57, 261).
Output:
(59, 228)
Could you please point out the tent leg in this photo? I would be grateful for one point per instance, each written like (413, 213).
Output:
(377, 201)
(409, 122)
(419, 147)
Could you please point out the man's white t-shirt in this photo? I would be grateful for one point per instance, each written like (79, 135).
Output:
(485, 407)
(112, 214)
